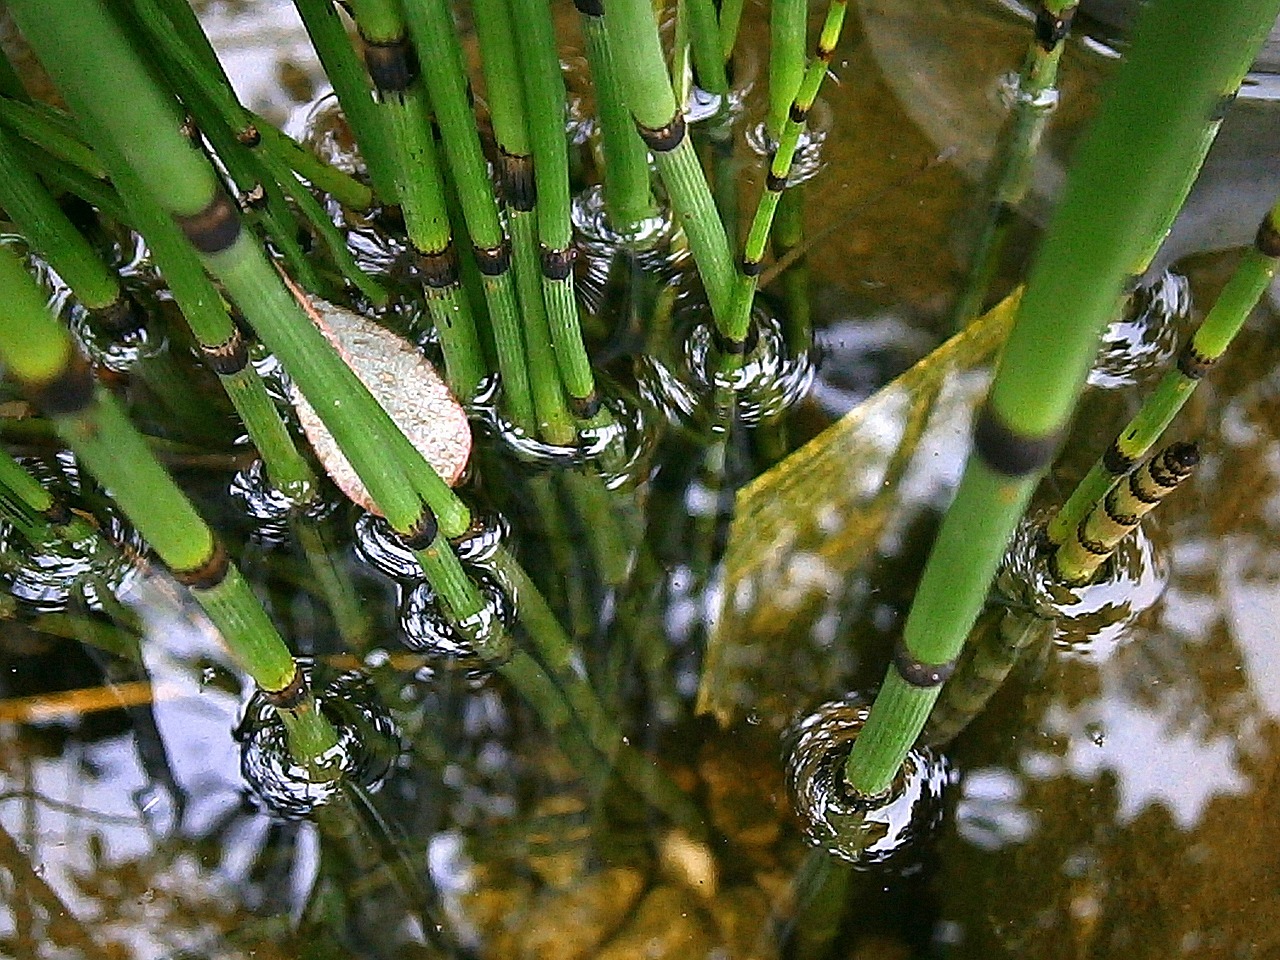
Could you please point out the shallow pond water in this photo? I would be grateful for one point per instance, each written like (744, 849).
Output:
(1113, 801)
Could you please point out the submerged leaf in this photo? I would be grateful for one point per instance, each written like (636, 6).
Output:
(407, 386)
(806, 532)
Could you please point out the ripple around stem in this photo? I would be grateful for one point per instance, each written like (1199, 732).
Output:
(1139, 344)
(1093, 620)
(427, 630)
(368, 744)
(769, 381)
(47, 576)
(863, 831)
(382, 547)
(619, 451)
(273, 508)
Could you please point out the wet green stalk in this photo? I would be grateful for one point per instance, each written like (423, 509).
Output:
(402, 106)
(350, 82)
(707, 48)
(1187, 54)
(41, 356)
(1034, 99)
(739, 318)
(788, 20)
(52, 131)
(646, 88)
(1241, 294)
(545, 117)
(343, 187)
(63, 177)
(628, 200)
(440, 54)
(730, 18)
(30, 205)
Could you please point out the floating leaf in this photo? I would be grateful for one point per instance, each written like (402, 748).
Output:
(403, 381)
(806, 530)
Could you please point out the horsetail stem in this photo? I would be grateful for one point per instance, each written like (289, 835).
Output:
(402, 104)
(646, 88)
(545, 116)
(739, 321)
(41, 356)
(707, 48)
(351, 84)
(788, 20)
(431, 23)
(1136, 155)
(1077, 559)
(52, 131)
(1252, 277)
(518, 190)
(628, 199)
(1034, 98)
(30, 205)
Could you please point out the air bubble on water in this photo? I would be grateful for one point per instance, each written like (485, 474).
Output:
(863, 831)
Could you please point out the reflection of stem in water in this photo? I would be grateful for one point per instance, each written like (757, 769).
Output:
(992, 649)
(820, 890)
(32, 890)
(1034, 96)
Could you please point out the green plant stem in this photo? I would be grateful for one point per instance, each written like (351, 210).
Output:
(41, 356)
(545, 116)
(1187, 54)
(646, 88)
(628, 199)
(326, 178)
(350, 82)
(730, 18)
(52, 131)
(30, 205)
(434, 32)
(706, 44)
(64, 177)
(788, 20)
(1252, 277)
(739, 317)
(1034, 99)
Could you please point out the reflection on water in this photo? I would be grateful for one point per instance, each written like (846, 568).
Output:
(1103, 806)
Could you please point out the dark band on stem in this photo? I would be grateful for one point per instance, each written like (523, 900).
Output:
(1116, 462)
(918, 673)
(249, 136)
(1096, 547)
(663, 139)
(737, 348)
(493, 261)
(1174, 464)
(1008, 452)
(774, 183)
(516, 181)
(752, 268)
(557, 264)
(589, 8)
(209, 572)
(1116, 514)
(439, 269)
(57, 513)
(392, 65)
(1268, 239)
(215, 228)
(228, 357)
(424, 532)
(798, 113)
(584, 408)
(292, 695)
(69, 392)
(1053, 28)
(1193, 364)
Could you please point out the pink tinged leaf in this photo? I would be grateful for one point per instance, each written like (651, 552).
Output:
(406, 385)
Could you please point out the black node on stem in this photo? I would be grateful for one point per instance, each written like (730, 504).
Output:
(228, 357)
(918, 673)
(213, 229)
(1008, 452)
(209, 573)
